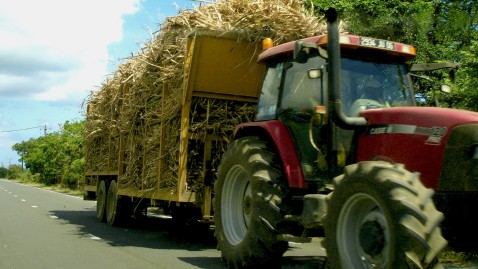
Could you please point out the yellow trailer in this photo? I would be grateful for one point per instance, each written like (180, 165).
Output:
(217, 68)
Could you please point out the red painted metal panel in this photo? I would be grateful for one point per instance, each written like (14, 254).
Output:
(414, 136)
(285, 146)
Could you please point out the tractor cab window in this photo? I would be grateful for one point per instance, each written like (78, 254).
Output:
(299, 92)
(367, 85)
(267, 106)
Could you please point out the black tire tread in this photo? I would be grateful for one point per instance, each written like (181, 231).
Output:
(413, 209)
(260, 246)
(113, 218)
(101, 201)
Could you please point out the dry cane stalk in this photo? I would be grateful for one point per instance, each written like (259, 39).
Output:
(128, 109)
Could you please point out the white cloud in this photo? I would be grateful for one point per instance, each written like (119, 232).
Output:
(57, 49)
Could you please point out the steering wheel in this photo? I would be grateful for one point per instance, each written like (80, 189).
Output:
(363, 104)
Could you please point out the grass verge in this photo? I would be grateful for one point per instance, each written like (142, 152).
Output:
(57, 188)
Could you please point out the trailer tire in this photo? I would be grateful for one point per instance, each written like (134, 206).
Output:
(381, 216)
(101, 201)
(247, 203)
(113, 211)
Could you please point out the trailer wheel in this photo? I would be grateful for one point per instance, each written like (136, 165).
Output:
(112, 205)
(247, 205)
(101, 201)
(381, 216)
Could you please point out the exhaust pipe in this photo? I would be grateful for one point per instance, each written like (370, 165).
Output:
(333, 50)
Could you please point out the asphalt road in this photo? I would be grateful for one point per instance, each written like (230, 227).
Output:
(45, 229)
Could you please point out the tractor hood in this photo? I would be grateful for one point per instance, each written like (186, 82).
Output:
(427, 117)
(417, 137)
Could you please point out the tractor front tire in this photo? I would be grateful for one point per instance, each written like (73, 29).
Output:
(381, 216)
(248, 197)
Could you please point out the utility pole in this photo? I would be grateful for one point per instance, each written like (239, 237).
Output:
(44, 129)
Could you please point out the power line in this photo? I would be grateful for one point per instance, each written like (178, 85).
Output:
(17, 130)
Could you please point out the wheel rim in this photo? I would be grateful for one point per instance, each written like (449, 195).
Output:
(236, 205)
(363, 233)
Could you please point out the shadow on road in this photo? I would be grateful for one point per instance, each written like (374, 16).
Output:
(159, 233)
(148, 232)
(306, 262)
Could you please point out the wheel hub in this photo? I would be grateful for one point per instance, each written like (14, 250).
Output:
(363, 233)
(247, 205)
(372, 238)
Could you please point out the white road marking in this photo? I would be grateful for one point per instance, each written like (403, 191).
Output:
(53, 217)
(34, 206)
(92, 236)
(23, 200)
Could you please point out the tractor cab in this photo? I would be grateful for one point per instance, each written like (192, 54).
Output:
(373, 75)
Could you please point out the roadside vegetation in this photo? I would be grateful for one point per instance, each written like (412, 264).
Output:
(54, 160)
(440, 30)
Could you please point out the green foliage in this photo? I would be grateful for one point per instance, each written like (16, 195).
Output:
(3, 172)
(15, 171)
(466, 94)
(394, 19)
(56, 158)
(441, 30)
(72, 176)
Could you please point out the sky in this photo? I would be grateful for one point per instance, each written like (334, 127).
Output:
(53, 53)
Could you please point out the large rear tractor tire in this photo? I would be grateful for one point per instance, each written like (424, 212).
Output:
(381, 216)
(248, 198)
(101, 201)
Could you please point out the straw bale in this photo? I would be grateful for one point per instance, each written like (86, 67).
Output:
(132, 102)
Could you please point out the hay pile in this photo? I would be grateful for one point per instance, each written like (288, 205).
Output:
(130, 102)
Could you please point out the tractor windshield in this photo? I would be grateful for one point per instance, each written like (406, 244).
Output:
(367, 85)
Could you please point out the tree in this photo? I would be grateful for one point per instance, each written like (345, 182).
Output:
(3, 172)
(396, 20)
(467, 95)
(58, 157)
(14, 171)
(441, 30)
(455, 32)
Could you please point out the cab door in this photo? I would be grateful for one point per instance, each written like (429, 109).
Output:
(299, 95)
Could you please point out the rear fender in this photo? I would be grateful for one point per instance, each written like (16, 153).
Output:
(277, 132)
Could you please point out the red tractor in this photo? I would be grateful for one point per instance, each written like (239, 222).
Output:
(339, 148)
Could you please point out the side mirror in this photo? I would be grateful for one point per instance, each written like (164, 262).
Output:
(445, 88)
(303, 50)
